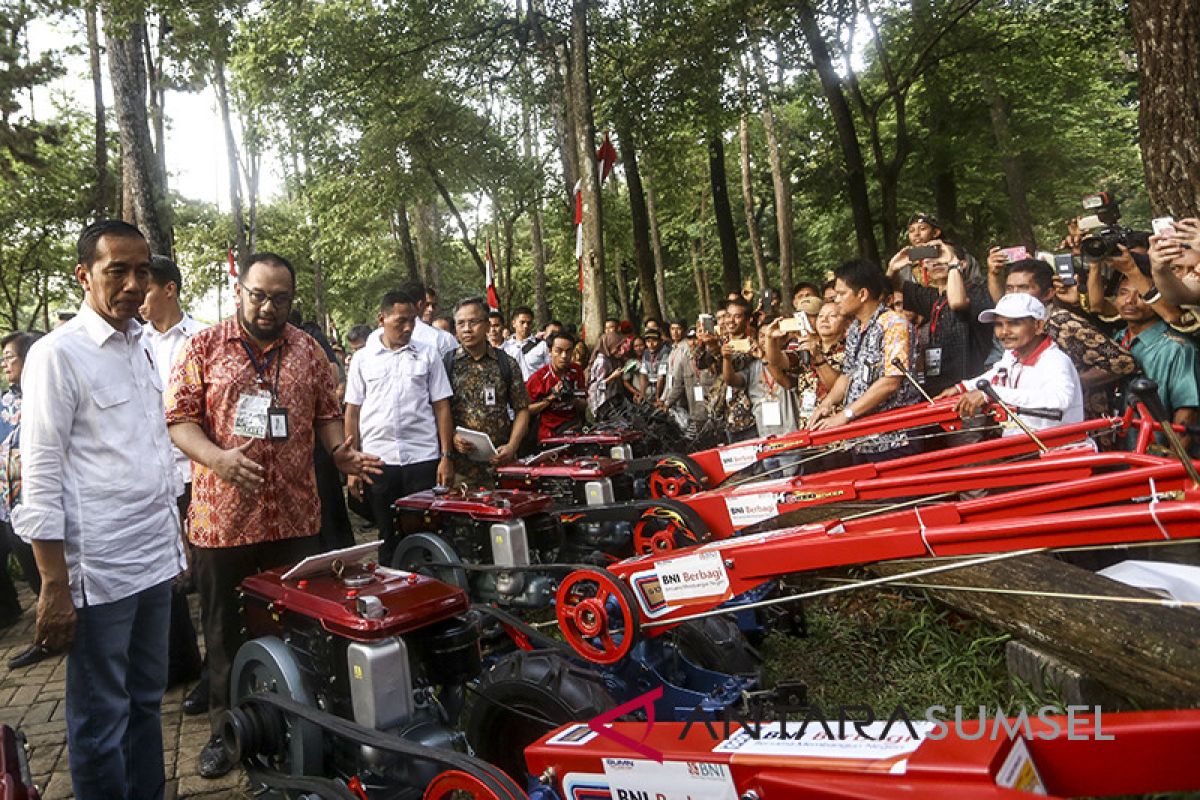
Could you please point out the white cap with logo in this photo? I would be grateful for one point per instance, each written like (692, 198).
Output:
(1015, 306)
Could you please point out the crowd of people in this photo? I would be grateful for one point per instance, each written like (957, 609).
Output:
(145, 455)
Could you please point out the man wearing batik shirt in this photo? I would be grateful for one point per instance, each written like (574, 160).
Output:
(1101, 362)
(879, 347)
(487, 385)
(246, 400)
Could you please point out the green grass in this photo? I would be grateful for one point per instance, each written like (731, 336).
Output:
(885, 648)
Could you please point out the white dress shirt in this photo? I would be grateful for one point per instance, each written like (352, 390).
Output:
(530, 362)
(396, 390)
(96, 464)
(1046, 378)
(164, 347)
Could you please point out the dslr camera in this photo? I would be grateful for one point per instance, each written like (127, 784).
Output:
(1104, 233)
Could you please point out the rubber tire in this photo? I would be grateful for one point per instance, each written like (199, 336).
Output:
(537, 682)
(717, 643)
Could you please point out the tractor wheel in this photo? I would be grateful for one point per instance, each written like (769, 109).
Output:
(718, 644)
(523, 697)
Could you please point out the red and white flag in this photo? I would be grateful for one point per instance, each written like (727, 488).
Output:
(233, 273)
(607, 156)
(489, 262)
(579, 230)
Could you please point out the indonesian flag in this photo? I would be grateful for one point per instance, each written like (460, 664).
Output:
(232, 264)
(489, 261)
(579, 230)
(607, 156)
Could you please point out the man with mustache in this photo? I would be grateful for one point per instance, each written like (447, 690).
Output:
(98, 506)
(247, 398)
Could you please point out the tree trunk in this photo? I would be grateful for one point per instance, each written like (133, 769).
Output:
(318, 292)
(127, 72)
(620, 274)
(585, 133)
(536, 245)
(462, 223)
(640, 219)
(1169, 112)
(426, 241)
(103, 189)
(731, 273)
(157, 97)
(843, 120)
(756, 251)
(1014, 175)
(242, 247)
(703, 294)
(660, 267)
(404, 237)
(783, 189)
(556, 60)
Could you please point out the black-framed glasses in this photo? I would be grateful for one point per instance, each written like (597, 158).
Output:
(260, 298)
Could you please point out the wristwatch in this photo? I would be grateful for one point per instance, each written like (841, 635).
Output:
(849, 412)
(1151, 297)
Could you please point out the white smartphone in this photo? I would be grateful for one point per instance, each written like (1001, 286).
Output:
(1163, 226)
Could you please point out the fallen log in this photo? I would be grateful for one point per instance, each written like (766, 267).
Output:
(1148, 654)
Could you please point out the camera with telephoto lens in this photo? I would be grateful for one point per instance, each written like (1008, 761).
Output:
(1104, 234)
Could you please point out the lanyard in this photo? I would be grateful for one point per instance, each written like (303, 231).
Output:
(262, 369)
(938, 308)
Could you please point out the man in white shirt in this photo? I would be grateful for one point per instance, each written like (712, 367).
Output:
(530, 352)
(423, 333)
(1033, 372)
(98, 506)
(167, 329)
(398, 408)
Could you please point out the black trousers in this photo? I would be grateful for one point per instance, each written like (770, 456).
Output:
(10, 608)
(394, 483)
(219, 571)
(335, 531)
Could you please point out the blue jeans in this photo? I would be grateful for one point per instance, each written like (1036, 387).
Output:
(116, 676)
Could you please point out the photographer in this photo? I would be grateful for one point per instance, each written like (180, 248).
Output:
(728, 402)
(1175, 263)
(812, 360)
(1124, 264)
(958, 343)
(556, 391)
(771, 394)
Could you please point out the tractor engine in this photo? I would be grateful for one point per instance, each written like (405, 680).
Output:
(571, 480)
(388, 650)
(611, 441)
(497, 529)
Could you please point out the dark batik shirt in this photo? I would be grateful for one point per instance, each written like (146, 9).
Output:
(472, 379)
(963, 340)
(1089, 348)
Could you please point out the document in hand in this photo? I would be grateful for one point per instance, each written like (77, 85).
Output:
(484, 449)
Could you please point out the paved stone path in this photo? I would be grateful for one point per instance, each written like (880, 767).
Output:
(31, 699)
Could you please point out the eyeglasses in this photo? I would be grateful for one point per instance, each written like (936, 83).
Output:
(9, 357)
(260, 298)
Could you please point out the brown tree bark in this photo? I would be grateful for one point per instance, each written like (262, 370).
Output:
(1169, 112)
(1014, 175)
(404, 238)
(157, 96)
(756, 250)
(640, 219)
(660, 267)
(241, 245)
(536, 246)
(621, 276)
(127, 72)
(425, 238)
(703, 292)
(585, 135)
(843, 120)
(731, 273)
(103, 189)
(782, 185)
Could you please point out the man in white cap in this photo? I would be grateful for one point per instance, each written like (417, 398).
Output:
(1032, 373)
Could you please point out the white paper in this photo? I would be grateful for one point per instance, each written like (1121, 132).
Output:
(698, 577)
(698, 394)
(737, 458)
(670, 780)
(748, 509)
(772, 413)
(250, 417)
(855, 751)
(484, 449)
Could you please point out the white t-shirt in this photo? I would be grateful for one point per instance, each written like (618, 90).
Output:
(1045, 379)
